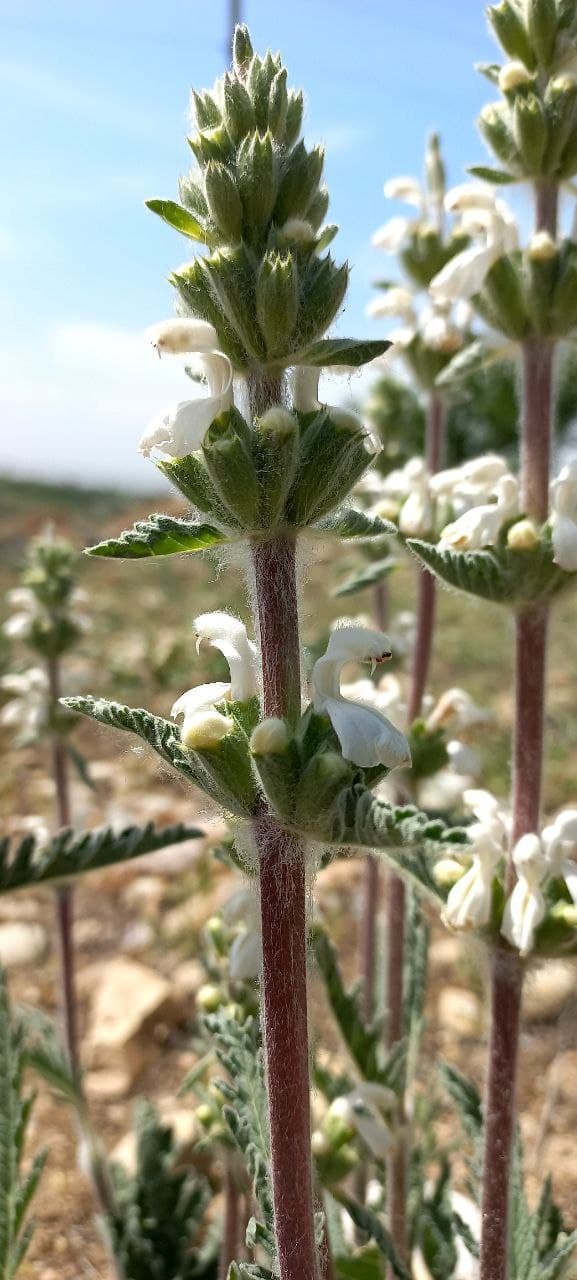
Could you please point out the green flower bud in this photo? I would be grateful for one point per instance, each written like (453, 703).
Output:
(258, 180)
(523, 536)
(277, 444)
(435, 169)
(223, 200)
(221, 749)
(277, 302)
(560, 109)
(503, 288)
(514, 75)
(568, 163)
(206, 111)
(511, 32)
(564, 300)
(542, 265)
(211, 144)
(332, 456)
(530, 130)
(204, 1113)
(260, 77)
(238, 112)
(278, 105)
(323, 290)
(293, 118)
(190, 476)
(495, 127)
(231, 468)
(542, 29)
(229, 274)
(277, 763)
(192, 197)
(242, 51)
(299, 182)
(194, 286)
(205, 730)
(566, 14)
(320, 786)
(317, 210)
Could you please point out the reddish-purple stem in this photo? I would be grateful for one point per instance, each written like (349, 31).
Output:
(64, 895)
(530, 679)
(283, 897)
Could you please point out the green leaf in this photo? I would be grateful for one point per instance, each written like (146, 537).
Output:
(499, 574)
(81, 765)
(16, 1189)
(367, 1264)
(159, 536)
(179, 218)
(71, 852)
(355, 524)
(499, 177)
(44, 1052)
(369, 1222)
(363, 1042)
(472, 359)
(347, 351)
(376, 572)
(163, 736)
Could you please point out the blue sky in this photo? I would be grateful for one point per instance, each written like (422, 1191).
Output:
(96, 95)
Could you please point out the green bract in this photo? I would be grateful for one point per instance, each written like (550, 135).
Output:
(498, 573)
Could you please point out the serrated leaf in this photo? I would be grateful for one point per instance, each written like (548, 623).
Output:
(407, 838)
(346, 351)
(497, 573)
(499, 177)
(376, 572)
(355, 524)
(72, 852)
(163, 737)
(159, 535)
(179, 218)
(16, 1190)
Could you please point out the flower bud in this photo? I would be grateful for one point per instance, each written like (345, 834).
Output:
(238, 112)
(277, 441)
(299, 183)
(542, 247)
(446, 872)
(530, 130)
(322, 781)
(296, 231)
(270, 737)
(294, 118)
(224, 202)
(277, 301)
(258, 177)
(511, 32)
(278, 105)
(504, 290)
(542, 29)
(523, 536)
(514, 75)
(206, 112)
(205, 730)
(560, 109)
(495, 127)
(230, 465)
(242, 51)
(332, 456)
(564, 302)
(542, 269)
(435, 169)
(209, 998)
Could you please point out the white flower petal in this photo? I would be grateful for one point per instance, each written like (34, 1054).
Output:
(404, 188)
(199, 698)
(464, 274)
(229, 635)
(391, 235)
(177, 335)
(564, 539)
(245, 957)
(366, 737)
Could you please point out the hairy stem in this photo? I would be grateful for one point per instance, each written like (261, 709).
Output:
(283, 899)
(530, 678)
(397, 1169)
(231, 1230)
(64, 895)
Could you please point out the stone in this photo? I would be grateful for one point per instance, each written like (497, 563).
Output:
(547, 991)
(446, 953)
(459, 1012)
(22, 943)
(189, 977)
(131, 1005)
(145, 894)
(107, 1085)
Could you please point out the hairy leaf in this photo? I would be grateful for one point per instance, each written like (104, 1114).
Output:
(363, 1042)
(499, 574)
(499, 177)
(159, 536)
(355, 524)
(347, 351)
(376, 572)
(16, 1189)
(71, 852)
(373, 1226)
(179, 218)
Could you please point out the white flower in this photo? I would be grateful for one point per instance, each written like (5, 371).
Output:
(525, 909)
(464, 760)
(181, 428)
(564, 518)
(396, 301)
(489, 812)
(469, 195)
(366, 737)
(392, 234)
(469, 902)
(470, 484)
(560, 845)
(456, 710)
(245, 956)
(442, 790)
(304, 388)
(479, 527)
(409, 190)
(176, 336)
(367, 1105)
(27, 709)
(228, 635)
(463, 275)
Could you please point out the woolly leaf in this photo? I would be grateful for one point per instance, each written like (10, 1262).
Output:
(163, 737)
(499, 177)
(159, 536)
(249, 1271)
(499, 573)
(16, 1190)
(371, 1224)
(363, 1042)
(470, 360)
(44, 1053)
(466, 1098)
(347, 351)
(177, 217)
(355, 524)
(376, 572)
(71, 852)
